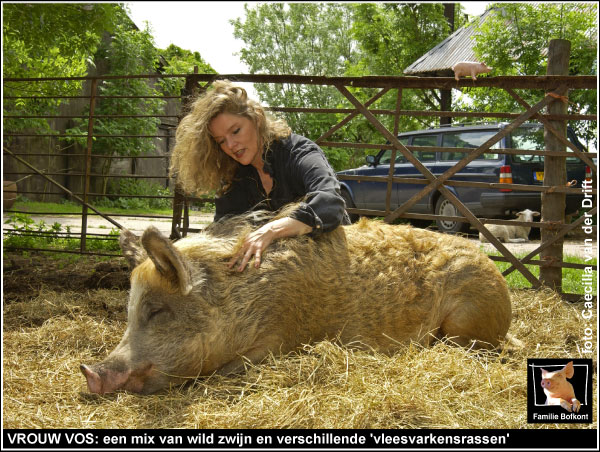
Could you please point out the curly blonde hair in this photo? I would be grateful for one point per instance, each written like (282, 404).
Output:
(197, 163)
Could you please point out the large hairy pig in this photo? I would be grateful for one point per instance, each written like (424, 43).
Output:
(369, 283)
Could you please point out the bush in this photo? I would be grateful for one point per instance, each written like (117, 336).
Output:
(137, 187)
(26, 233)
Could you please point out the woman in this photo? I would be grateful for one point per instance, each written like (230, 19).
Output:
(227, 144)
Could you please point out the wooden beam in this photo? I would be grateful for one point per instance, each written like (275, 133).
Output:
(445, 192)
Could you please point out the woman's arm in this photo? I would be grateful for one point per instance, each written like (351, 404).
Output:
(256, 242)
(308, 174)
(323, 207)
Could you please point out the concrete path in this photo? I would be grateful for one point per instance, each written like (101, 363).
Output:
(98, 225)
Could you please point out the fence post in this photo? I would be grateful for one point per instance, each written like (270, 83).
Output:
(88, 164)
(388, 195)
(555, 171)
(179, 199)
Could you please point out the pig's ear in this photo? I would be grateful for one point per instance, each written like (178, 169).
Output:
(544, 373)
(167, 259)
(569, 370)
(132, 248)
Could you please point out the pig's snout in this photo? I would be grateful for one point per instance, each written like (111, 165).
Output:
(102, 380)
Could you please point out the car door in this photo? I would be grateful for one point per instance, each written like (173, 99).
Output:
(371, 195)
(428, 159)
(483, 169)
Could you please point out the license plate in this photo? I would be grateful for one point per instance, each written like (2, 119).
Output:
(539, 176)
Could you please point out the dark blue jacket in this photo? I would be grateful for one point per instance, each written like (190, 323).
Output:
(300, 171)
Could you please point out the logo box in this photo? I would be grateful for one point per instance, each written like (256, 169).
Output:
(539, 412)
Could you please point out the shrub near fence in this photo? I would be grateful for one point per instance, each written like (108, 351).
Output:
(555, 85)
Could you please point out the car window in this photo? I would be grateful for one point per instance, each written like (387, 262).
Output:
(532, 139)
(471, 139)
(529, 138)
(386, 157)
(425, 140)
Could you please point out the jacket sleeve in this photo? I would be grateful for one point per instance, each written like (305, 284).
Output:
(323, 207)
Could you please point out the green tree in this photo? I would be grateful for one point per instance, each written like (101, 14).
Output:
(514, 40)
(392, 36)
(301, 39)
(181, 61)
(337, 40)
(129, 51)
(49, 40)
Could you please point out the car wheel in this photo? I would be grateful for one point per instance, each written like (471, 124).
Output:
(447, 209)
(350, 205)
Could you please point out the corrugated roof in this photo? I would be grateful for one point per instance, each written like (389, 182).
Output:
(455, 48)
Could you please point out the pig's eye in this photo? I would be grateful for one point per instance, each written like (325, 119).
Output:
(154, 312)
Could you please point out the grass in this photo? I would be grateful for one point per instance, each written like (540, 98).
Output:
(75, 209)
(24, 232)
(571, 279)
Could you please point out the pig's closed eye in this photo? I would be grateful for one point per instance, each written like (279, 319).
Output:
(155, 312)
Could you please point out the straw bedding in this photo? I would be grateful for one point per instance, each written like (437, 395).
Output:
(48, 335)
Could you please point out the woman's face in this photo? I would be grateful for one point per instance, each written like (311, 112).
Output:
(237, 136)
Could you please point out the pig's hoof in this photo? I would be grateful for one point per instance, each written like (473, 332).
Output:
(94, 382)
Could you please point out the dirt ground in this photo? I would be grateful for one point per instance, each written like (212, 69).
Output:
(26, 275)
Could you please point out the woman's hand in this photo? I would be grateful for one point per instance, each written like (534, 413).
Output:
(256, 242)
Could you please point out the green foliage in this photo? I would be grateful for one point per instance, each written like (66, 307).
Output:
(25, 233)
(49, 40)
(298, 38)
(514, 41)
(130, 51)
(531, 26)
(390, 37)
(339, 40)
(180, 61)
(104, 244)
(137, 187)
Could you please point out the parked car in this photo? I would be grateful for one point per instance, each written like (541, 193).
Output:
(490, 168)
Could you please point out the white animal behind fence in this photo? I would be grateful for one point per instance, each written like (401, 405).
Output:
(512, 234)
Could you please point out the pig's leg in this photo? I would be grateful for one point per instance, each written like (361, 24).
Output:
(477, 312)
(576, 405)
(255, 355)
(566, 405)
(236, 365)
